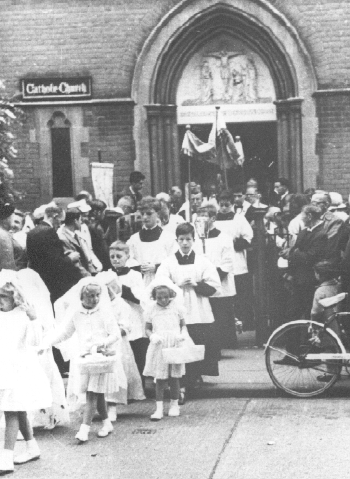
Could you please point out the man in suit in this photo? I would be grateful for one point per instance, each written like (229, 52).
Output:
(134, 190)
(333, 226)
(310, 248)
(67, 233)
(46, 255)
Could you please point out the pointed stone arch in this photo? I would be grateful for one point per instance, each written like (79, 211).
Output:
(170, 46)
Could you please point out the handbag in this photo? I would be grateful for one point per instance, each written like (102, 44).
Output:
(188, 353)
(96, 363)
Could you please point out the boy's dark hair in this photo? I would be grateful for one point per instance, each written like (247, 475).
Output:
(97, 205)
(149, 203)
(136, 176)
(327, 270)
(184, 229)
(226, 195)
(71, 215)
(284, 182)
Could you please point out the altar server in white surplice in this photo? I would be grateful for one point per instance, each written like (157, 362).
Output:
(151, 245)
(218, 248)
(198, 279)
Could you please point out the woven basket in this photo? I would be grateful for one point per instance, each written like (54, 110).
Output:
(189, 353)
(96, 364)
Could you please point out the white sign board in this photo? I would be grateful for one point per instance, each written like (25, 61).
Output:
(241, 113)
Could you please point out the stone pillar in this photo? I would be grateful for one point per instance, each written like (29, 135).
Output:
(289, 141)
(260, 282)
(164, 147)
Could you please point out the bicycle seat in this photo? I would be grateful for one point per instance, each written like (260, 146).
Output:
(328, 302)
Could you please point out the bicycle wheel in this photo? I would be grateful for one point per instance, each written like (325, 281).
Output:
(286, 364)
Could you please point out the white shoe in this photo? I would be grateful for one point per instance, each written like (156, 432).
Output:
(83, 434)
(112, 413)
(6, 462)
(174, 409)
(32, 453)
(106, 429)
(158, 414)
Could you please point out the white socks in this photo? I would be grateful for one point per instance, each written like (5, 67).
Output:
(83, 433)
(158, 415)
(106, 429)
(112, 412)
(174, 409)
(32, 453)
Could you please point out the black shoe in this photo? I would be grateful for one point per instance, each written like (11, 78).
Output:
(182, 398)
(286, 361)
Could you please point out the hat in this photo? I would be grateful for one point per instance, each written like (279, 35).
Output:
(40, 211)
(6, 209)
(336, 201)
(163, 197)
(82, 206)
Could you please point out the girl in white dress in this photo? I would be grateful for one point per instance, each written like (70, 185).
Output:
(122, 310)
(166, 328)
(34, 287)
(23, 385)
(91, 318)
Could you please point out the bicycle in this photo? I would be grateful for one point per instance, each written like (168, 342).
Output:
(304, 358)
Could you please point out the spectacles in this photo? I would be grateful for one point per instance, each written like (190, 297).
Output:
(225, 205)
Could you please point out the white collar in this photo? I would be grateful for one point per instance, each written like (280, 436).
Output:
(149, 229)
(185, 254)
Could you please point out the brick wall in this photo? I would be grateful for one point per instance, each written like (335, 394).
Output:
(103, 38)
(333, 144)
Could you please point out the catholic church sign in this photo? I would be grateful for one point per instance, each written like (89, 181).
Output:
(56, 88)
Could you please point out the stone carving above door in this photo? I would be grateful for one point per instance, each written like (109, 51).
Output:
(225, 72)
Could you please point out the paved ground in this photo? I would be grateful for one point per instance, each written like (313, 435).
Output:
(237, 426)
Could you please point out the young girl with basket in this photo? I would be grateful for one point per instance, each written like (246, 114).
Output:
(94, 368)
(121, 311)
(23, 384)
(166, 328)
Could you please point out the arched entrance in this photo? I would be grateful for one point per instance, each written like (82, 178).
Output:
(176, 40)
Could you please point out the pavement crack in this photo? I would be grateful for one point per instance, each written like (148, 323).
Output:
(229, 437)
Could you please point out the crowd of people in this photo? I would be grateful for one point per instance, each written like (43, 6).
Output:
(160, 278)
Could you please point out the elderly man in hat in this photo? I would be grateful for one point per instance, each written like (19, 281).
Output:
(84, 236)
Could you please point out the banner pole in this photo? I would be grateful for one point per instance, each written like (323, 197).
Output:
(188, 127)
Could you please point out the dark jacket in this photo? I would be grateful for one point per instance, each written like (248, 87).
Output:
(337, 235)
(135, 197)
(46, 256)
(310, 248)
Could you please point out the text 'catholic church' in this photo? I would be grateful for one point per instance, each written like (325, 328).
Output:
(126, 76)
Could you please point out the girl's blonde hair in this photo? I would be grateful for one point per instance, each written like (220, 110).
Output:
(172, 293)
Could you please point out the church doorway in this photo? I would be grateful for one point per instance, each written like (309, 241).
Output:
(259, 142)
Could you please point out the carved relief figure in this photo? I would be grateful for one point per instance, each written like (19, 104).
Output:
(206, 82)
(224, 57)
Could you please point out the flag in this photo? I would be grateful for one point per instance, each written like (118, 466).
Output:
(227, 153)
(193, 146)
(220, 149)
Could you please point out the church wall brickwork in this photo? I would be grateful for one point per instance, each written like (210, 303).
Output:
(103, 39)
